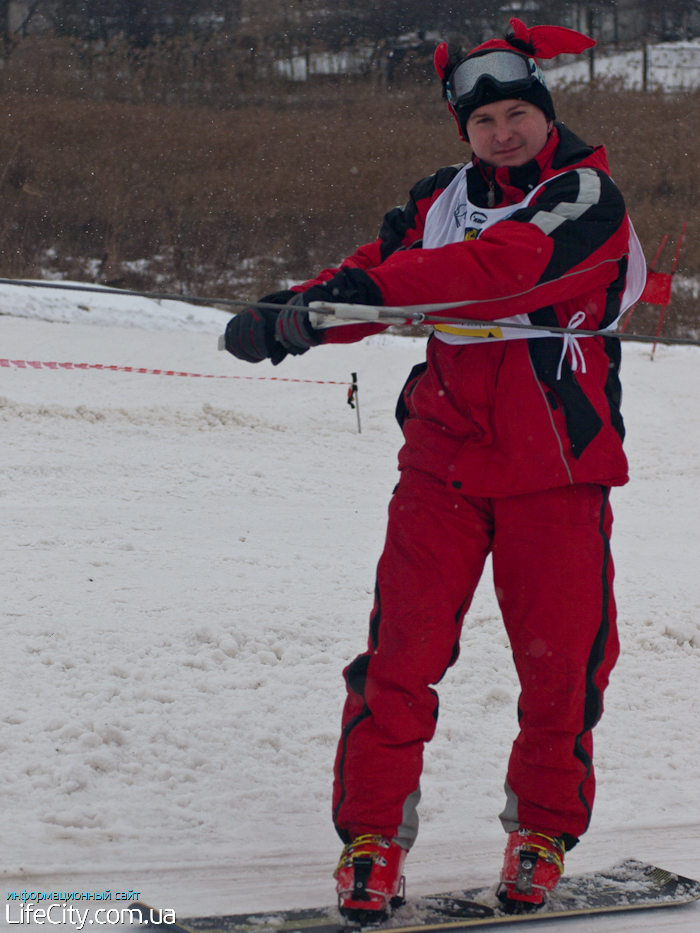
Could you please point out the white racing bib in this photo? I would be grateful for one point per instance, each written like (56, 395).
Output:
(454, 219)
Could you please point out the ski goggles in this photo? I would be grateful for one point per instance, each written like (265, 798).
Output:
(505, 70)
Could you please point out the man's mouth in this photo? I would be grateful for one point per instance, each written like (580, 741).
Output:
(507, 152)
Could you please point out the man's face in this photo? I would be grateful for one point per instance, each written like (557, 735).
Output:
(508, 132)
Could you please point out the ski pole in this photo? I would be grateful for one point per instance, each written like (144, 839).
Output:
(408, 316)
(412, 315)
(156, 296)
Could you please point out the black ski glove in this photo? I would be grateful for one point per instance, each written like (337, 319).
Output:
(349, 286)
(293, 329)
(250, 335)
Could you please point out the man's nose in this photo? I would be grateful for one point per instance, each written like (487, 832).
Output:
(503, 130)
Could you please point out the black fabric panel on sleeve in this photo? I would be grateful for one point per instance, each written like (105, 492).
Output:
(574, 240)
(400, 220)
(352, 286)
(396, 224)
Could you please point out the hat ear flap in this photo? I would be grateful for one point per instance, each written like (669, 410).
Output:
(446, 59)
(441, 60)
(549, 41)
(557, 40)
(520, 30)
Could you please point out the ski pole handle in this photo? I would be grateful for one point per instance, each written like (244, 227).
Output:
(323, 314)
(320, 311)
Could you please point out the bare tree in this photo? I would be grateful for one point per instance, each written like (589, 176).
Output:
(142, 21)
(298, 24)
(4, 20)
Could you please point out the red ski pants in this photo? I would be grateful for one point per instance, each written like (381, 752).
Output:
(553, 575)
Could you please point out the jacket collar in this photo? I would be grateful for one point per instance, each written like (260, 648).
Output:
(497, 187)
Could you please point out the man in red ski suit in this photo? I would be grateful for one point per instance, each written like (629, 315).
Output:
(513, 439)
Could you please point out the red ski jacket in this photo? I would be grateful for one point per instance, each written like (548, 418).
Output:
(503, 418)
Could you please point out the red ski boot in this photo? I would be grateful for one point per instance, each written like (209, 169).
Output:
(370, 877)
(532, 867)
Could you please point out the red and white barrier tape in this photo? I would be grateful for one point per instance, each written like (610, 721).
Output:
(39, 364)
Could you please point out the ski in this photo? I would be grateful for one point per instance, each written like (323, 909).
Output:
(630, 885)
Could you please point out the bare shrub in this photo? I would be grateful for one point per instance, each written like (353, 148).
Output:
(236, 202)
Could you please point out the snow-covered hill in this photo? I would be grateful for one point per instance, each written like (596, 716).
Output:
(188, 564)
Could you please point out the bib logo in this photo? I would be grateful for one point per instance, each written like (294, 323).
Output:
(476, 217)
(460, 214)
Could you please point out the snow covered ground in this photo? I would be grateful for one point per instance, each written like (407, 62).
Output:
(188, 564)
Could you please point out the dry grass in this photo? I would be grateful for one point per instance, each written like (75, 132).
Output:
(235, 201)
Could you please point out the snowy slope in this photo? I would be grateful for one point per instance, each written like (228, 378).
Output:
(187, 566)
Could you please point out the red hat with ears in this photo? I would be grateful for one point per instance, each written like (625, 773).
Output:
(496, 78)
